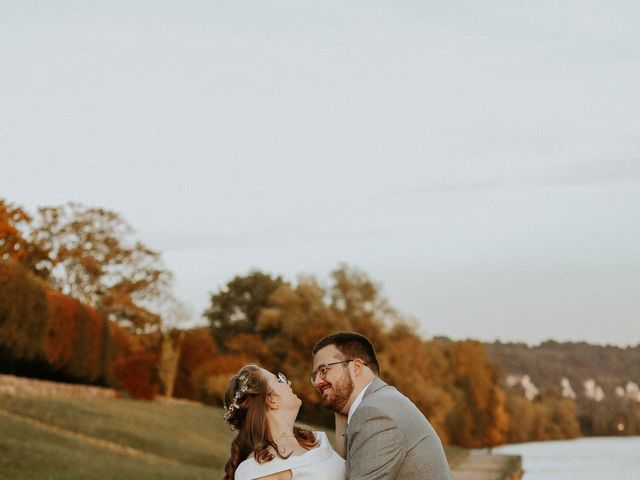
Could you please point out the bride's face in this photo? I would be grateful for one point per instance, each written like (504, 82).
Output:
(280, 386)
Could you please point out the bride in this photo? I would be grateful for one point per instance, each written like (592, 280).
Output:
(269, 446)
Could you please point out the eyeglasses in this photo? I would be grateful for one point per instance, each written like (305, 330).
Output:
(280, 378)
(322, 370)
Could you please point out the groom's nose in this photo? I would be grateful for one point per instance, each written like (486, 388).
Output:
(318, 382)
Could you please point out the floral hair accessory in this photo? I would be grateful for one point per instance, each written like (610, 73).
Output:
(235, 402)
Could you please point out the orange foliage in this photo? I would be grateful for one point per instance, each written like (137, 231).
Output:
(63, 317)
(74, 337)
(198, 348)
(137, 374)
(121, 343)
(481, 418)
(23, 312)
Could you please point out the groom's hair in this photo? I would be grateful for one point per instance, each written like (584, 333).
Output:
(351, 345)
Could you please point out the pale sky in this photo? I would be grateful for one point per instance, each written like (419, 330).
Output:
(479, 160)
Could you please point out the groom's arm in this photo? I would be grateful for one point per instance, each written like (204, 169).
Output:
(375, 445)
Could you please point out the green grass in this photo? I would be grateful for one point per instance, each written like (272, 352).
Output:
(192, 438)
(191, 434)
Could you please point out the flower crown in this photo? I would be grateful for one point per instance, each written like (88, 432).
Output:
(235, 405)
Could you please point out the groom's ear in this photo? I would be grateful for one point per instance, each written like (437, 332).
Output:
(359, 364)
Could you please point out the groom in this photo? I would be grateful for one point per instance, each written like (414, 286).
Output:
(385, 435)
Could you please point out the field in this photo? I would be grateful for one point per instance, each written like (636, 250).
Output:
(172, 441)
(62, 439)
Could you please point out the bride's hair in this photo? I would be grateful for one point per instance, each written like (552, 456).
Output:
(245, 404)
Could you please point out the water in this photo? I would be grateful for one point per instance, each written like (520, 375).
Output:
(601, 458)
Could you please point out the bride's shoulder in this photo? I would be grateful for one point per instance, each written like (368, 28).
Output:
(250, 469)
(246, 468)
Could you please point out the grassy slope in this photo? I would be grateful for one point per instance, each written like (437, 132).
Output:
(191, 434)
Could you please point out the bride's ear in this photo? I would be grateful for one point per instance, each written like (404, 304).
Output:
(273, 401)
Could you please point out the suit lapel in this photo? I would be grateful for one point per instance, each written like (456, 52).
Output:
(376, 385)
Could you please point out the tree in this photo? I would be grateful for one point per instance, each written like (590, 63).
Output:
(481, 418)
(294, 320)
(235, 308)
(93, 258)
(169, 360)
(12, 244)
(62, 330)
(421, 371)
(15, 228)
(23, 312)
(173, 314)
(356, 298)
(198, 349)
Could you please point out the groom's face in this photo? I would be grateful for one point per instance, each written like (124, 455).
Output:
(337, 385)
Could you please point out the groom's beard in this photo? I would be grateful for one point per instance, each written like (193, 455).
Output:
(339, 394)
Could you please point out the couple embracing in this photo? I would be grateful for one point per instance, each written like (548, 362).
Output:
(380, 433)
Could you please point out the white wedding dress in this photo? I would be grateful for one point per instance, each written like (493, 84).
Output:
(319, 462)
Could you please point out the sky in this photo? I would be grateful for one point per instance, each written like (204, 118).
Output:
(479, 160)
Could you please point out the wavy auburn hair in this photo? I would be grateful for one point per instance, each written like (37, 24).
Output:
(249, 418)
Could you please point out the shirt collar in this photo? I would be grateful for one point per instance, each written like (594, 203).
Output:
(357, 402)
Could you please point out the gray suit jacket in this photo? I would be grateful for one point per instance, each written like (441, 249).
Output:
(388, 438)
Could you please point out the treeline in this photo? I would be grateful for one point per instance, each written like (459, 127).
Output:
(602, 380)
(81, 300)
(259, 318)
(48, 334)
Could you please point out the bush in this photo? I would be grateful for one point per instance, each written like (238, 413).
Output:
(137, 373)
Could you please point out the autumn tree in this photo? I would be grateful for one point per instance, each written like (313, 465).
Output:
(197, 360)
(90, 254)
(421, 371)
(174, 313)
(480, 418)
(94, 259)
(23, 312)
(62, 328)
(356, 298)
(235, 308)
(297, 317)
(15, 243)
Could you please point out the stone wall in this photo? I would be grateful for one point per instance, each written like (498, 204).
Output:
(28, 387)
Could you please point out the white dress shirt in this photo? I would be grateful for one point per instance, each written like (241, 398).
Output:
(356, 403)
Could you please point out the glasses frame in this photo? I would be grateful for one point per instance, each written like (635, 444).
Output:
(323, 376)
(280, 378)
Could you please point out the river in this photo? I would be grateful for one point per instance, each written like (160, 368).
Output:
(595, 458)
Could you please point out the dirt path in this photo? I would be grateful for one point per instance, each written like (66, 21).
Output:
(107, 445)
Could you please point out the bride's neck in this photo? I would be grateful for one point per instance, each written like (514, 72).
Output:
(281, 427)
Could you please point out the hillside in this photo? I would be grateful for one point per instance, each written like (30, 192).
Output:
(60, 439)
(548, 363)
